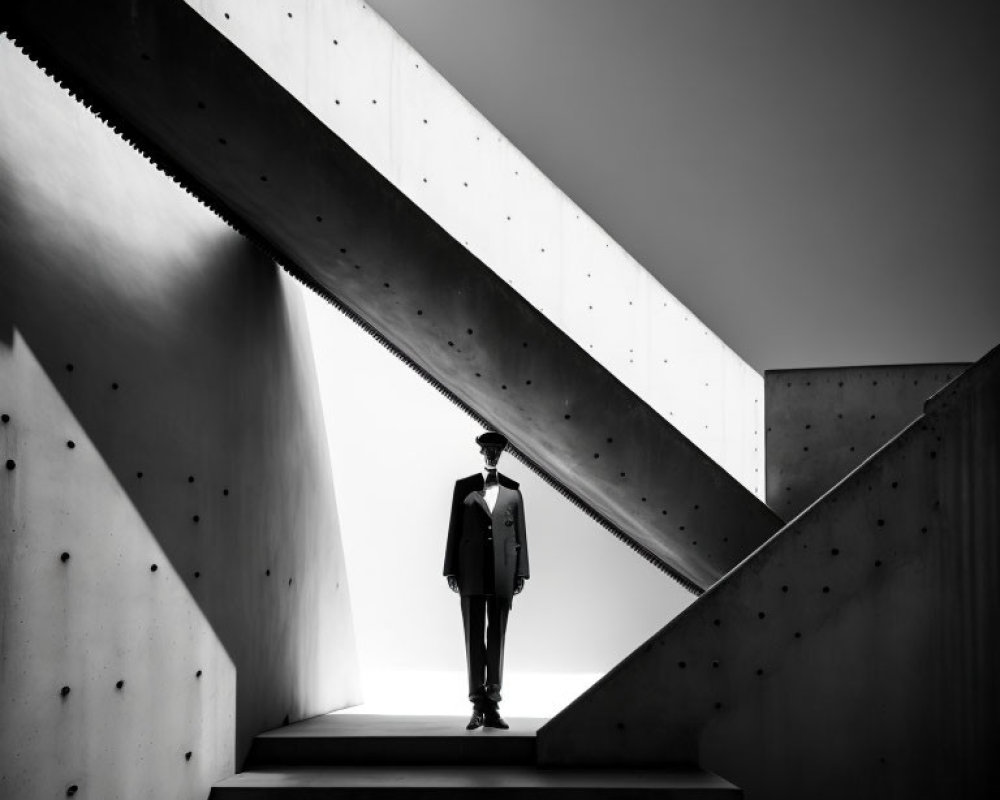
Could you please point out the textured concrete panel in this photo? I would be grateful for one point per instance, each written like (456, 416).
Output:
(822, 423)
(201, 108)
(195, 505)
(353, 71)
(853, 655)
(108, 661)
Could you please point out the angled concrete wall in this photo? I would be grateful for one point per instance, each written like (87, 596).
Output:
(855, 653)
(822, 423)
(353, 71)
(201, 598)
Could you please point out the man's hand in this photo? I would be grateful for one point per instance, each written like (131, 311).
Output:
(453, 583)
(518, 584)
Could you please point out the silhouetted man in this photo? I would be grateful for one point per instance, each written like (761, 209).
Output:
(486, 562)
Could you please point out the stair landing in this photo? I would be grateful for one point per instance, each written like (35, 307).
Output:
(364, 739)
(378, 756)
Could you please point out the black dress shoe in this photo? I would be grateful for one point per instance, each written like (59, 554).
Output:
(476, 720)
(492, 719)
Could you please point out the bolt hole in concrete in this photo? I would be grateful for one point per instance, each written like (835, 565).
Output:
(4, 418)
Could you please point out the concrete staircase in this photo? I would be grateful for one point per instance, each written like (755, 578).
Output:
(348, 755)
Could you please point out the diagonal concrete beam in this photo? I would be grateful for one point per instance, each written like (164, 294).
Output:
(202, 111)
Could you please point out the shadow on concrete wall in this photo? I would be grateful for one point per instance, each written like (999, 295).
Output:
(181, 356)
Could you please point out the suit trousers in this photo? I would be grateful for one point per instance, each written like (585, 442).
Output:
(484, 658)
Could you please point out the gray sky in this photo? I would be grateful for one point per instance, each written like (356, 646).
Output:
(818, 181)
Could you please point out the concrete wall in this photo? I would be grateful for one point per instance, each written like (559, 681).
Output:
(357, 75)
(822, 423)
(854, 654)
(176, 360)
(397, 447)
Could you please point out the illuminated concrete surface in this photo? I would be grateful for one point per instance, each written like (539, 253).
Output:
(98, 624)
(855, 653)
(176, 359)
(205, 111)
(345, 64)
(822, 423)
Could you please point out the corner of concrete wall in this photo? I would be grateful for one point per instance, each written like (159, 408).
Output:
(171, 573)
(822, 423)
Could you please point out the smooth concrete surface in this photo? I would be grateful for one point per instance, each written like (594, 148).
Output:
(480, 782)
(356, 739)
(201, 108)
(855, 654)
(165, 432)
(822, 423)
(345, 64)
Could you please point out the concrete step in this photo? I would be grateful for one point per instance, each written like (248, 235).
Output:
(369, 739)
(482, 782)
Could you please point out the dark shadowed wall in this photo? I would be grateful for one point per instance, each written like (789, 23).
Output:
(822, 423)
(171, 572)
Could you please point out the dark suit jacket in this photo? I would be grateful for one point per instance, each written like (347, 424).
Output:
(478, 539)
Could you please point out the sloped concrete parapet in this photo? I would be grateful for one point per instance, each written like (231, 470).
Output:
(855, 653)
(206, 113)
